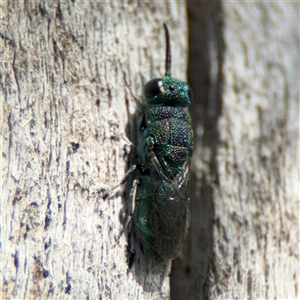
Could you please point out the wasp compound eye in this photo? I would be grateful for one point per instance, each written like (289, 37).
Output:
(153, 88)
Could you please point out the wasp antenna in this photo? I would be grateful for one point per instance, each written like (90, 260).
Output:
(168, 52)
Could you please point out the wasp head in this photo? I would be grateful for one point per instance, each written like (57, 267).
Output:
(167, 91)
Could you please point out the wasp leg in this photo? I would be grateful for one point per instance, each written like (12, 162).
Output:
(132, 198)
(131, 170)
(106, 193)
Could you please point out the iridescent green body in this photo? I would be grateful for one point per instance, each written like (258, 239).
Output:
(161, 215)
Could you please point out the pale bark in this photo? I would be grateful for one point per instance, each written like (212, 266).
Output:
(70, 73)
(244, 71)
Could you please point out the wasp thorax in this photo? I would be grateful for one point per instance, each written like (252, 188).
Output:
(167, 91)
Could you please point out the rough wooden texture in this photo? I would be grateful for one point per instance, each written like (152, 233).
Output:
(244, 72)
(70, 73)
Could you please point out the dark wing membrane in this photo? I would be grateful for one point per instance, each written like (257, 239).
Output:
(170, 216)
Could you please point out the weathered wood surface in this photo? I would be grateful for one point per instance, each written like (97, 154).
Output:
(69, 75)
(70, 72)
(244, 71)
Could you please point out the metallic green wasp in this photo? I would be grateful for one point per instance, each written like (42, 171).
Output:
(160, 195)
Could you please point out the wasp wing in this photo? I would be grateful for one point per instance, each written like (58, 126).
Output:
(170, 213)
